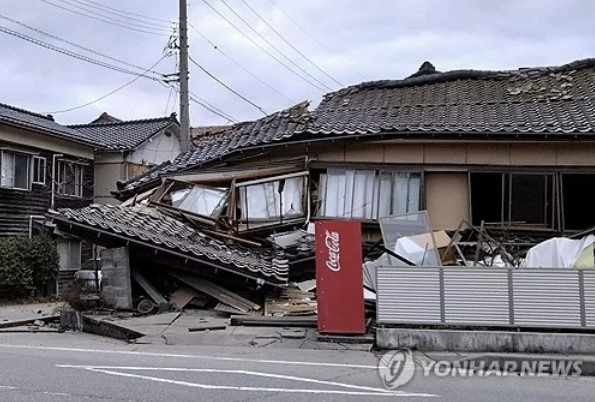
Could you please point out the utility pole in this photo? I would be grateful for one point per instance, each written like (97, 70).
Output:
(184, 95)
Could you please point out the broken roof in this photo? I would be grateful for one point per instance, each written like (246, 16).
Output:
(150, 228)
(273, 128)
(44, 124)
(205, 135)
(124, 135)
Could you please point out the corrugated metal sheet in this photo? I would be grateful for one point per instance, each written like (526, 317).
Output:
(546, 297)
(408, 295)
(476, 295)
(589, 281)
(486, 296)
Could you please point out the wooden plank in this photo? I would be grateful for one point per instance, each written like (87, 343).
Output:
(181, 297)
(217, 292)
(207, 328)
(291, 321)
(28, 321)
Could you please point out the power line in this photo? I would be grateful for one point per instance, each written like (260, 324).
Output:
(210, 109)
(71, 53)
(204, 70)
(109, 93)
(103, 20)
(258, 45)
(74, 44)
(215, 108)
(290, 44)
(126, 14)
(273, 46)
(112, 16)
(322, 46)
(237, 63)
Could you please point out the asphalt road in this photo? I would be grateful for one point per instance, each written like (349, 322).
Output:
(81, 367)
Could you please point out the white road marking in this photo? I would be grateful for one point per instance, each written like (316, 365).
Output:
(256, 389)
(6, 387)
(223, 371)
(214, 358)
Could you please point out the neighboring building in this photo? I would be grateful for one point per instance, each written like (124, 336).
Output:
(511, 148)
(43, 165)
(125, 149)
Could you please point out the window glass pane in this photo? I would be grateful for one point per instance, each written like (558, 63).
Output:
(413, 195)
(528, 199)
(200, 200)
(401, 188)
(7, 169)
(266, 200)
(21, 171)
(335, 193)
(362, 194)
(385, 194)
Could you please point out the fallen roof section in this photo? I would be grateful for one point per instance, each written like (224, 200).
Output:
(148, 227)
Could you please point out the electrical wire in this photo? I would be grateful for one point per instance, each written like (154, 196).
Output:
(204, 70)
(313, 38)
(102, 20)
(111, 92)
(127, 12)
(237, 63)
(112, 17)
(290, 44)
(215, 108)
(124, 14)
(258, 45)
(210, 109)
(71, 53)
(74, 44)
(273, 46)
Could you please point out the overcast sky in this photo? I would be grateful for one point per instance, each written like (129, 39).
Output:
(345, 41)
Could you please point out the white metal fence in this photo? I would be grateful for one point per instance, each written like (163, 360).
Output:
(531, 297)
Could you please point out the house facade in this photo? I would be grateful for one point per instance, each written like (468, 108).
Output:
(44, 165)
(125, 149)
(513, 149)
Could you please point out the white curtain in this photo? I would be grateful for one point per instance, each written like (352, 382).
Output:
(199, 200)
(263, 201)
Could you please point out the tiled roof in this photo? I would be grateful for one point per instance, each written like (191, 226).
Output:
(38, 122)
(124, 135)
(269, 129)
(548, 100)
(535, 100)
(154, 229)
(205, 135)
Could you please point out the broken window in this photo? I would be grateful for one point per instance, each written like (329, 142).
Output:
(200, 200)
(70, 178)
(512, 198)
(368, 194)
(272, 199)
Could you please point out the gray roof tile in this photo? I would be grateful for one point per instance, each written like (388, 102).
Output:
(123, 135)
(34, 121)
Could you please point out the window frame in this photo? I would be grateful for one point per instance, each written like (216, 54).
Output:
(14, 152)
(62, 185)
(42, 172)
(378, 173)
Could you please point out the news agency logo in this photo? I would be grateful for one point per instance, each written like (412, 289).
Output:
(397, 368)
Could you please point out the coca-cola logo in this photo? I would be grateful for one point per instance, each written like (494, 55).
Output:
(332, 244)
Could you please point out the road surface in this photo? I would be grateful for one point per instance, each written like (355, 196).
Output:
(81, 367)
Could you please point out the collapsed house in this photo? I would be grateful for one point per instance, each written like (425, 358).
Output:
(508, 150)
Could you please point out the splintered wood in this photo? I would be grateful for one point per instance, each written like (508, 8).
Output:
(291, 301)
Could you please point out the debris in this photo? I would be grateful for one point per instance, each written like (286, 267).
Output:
(145, 306)
(108, 328)
(182, 297)
(159, 300)
(561, 252)
(29, 321)
(207, 328)
(291, 301)
(217, 292)
(292, 321)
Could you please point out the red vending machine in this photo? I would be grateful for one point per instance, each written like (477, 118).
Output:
(339, 277)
